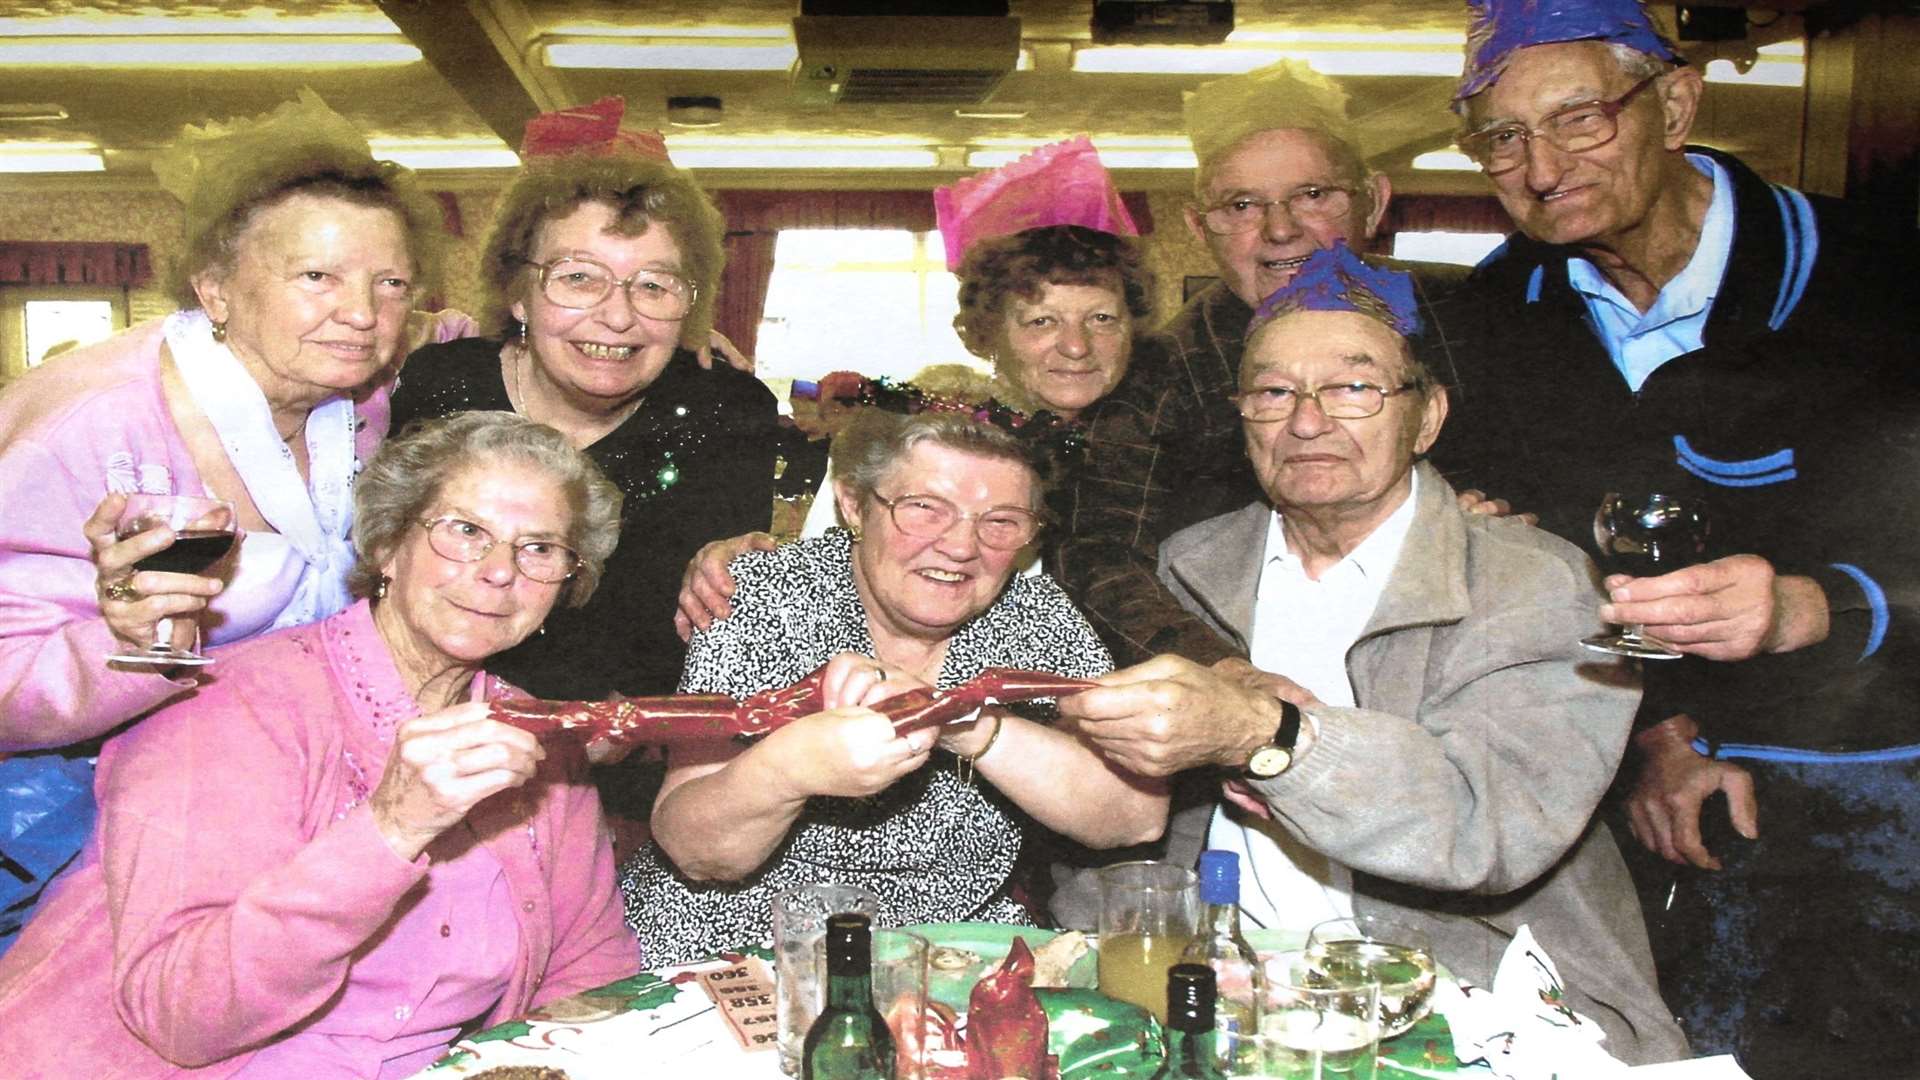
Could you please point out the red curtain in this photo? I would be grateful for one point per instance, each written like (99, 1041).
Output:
(62, 263)
(755, 218)
(1444, 213)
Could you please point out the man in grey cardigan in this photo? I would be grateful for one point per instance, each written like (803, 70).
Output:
(1420, 734)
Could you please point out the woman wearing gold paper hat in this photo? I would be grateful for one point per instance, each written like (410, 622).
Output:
(301, 261)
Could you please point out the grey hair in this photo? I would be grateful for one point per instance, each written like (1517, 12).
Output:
(402, 481)
(1633, 63)
(1417, 372)
(1346, 157)
(875, 441)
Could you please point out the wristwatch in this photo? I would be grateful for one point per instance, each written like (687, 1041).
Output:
(1276, 756)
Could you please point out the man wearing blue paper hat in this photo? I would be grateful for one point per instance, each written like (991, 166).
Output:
(1666, 318)
(1426, 740)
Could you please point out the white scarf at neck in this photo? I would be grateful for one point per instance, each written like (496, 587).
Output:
(314, 525)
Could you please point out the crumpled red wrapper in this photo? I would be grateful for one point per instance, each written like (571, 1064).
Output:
(1006, 1027)
(681, 719)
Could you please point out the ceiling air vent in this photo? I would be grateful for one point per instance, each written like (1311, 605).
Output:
(903, 59)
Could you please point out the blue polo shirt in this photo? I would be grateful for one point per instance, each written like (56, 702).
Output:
(1639, 343)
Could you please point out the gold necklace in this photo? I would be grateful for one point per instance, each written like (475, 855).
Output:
(524, 355)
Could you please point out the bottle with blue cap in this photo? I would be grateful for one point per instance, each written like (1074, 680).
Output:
(1240, 981)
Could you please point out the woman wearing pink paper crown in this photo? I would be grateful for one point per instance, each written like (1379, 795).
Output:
(602, 267)
(920, 592)
(1051, 284)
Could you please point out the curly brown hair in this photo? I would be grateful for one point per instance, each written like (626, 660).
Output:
(220, 213)
(640, 190)
(1021, 263)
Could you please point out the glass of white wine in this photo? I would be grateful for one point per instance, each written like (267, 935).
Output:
(1319, 1025)
(1148, 914)
(1397, 956)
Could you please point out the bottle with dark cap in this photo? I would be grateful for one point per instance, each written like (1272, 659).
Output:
(849, 1040)
(1190, 1053)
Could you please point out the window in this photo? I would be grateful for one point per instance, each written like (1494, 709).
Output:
(35, 319)
(1466, 249)
(876, 301)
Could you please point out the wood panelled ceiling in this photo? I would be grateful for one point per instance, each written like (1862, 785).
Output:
(483, 71)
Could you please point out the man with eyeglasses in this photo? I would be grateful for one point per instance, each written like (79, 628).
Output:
(1432, 739)
(1279, 179)
(1666, 318)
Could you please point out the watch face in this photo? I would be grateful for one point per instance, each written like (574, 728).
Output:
(1269, 761)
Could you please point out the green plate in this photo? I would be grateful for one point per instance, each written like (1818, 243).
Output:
(988, 943)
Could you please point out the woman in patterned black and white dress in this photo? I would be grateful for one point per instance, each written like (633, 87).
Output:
(920, 595)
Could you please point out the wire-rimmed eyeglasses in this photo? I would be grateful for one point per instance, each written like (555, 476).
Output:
(1338, 400)
(928, 517)
(1313, 202)
(575, 282)
(1586, 125)
(456, 538)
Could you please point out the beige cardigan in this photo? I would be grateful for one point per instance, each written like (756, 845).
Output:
(1461, 790)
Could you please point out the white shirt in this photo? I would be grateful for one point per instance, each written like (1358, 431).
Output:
(1676, 323)
(1302, 629)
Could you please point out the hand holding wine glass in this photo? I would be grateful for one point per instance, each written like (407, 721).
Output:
(1646, 534)
(152, 554)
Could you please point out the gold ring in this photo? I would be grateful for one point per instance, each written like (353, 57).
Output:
(122, 590)
(880, 673)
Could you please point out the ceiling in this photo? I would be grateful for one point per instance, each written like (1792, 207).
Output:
(483, 70)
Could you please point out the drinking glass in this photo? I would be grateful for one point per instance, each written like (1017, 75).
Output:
(203, 532)
(900, 994)
(1320, 1025)
(1643, 534)
(1148, 914)
(800, 957)
(1397, 956)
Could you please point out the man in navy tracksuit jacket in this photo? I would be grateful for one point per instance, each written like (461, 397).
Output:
(1668, 320)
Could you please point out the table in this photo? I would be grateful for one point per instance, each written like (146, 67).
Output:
(661, 1023)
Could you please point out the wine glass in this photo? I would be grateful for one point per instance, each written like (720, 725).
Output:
(1397, 956)
(203, 532)
(1642, 535)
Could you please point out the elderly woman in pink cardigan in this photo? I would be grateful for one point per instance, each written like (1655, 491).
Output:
(329, 861)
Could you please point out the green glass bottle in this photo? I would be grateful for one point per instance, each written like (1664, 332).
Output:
(849, 1040)
(1190, 1032)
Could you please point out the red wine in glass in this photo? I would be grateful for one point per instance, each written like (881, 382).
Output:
(193, 551)
(203, 533)
(1646, 534)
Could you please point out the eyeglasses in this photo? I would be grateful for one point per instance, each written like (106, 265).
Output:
(574, 282)
(1339, 401)
(1315, 202)
(1575, 129)
(928, 517)
(460, 540)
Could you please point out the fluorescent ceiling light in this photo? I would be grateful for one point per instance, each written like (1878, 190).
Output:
(666, 54)
(1763, 73)
(783, 32)
(794, 157)
(1396, 38)
(445, 154)
(263, 51)
(1363, 59)
(51, 157)
(1112, 159)
(1448, 160)
(163, 26)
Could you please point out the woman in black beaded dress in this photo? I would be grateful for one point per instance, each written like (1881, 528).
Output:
(601, 269)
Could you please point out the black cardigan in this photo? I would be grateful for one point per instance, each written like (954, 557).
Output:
(1799, 421)
(711, 431)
